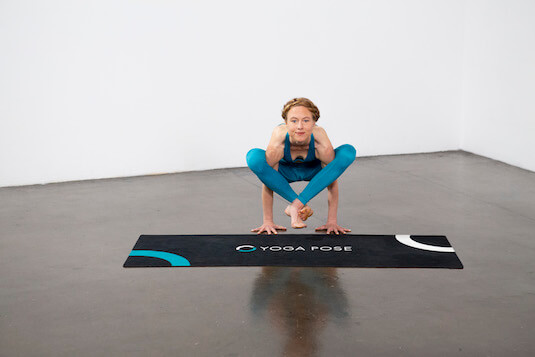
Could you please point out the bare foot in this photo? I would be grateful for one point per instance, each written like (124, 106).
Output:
(304, 213)
(296, 220)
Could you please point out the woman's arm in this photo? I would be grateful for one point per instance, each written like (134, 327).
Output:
(274, 153)
(324, 148)
(267, 204)
(332, 198)
(332, 221)
(268, 225)
(267, 201)
(325, 153)
(275, 148)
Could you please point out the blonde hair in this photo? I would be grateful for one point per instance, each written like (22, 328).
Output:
(301, 102)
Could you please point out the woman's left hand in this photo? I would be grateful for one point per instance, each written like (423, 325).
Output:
(333, 227)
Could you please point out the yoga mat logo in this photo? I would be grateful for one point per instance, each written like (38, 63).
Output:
(246, 248)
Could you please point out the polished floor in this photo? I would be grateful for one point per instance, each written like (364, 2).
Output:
(64, 292)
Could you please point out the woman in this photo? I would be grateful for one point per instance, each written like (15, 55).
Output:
(299, 150)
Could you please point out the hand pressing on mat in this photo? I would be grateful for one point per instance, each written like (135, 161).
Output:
(333, 227)
(268, 227)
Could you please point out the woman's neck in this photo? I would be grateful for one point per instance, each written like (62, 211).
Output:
(303, 144)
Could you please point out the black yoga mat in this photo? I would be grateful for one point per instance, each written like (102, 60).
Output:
(294, 250)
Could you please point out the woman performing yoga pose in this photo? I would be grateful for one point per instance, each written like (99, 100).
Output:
(299, 150)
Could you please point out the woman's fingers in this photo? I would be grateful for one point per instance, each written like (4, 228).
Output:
(333, 229)
(268, 229)
(273, 229)
(259, 230)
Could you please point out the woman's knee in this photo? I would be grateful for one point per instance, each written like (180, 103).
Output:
(256, 158)
(346, 153)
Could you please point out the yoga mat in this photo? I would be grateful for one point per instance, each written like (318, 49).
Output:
(294, 250)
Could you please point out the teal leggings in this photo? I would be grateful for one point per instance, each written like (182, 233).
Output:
(256, 160)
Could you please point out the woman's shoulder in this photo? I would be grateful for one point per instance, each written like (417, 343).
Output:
(320, 136)
(281, 129)
(319, 132)
(278, 136)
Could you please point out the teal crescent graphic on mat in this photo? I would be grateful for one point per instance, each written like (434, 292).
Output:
(175, 259)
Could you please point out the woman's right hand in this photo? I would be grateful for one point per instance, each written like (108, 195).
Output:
(268, 227)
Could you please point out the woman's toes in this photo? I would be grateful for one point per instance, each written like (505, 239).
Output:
(305, 212)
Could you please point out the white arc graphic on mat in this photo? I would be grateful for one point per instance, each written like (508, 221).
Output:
(407, 240)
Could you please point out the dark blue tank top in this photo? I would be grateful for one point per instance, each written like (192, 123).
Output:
(311, 154)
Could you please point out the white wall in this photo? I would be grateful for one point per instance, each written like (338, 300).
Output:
(499, 81)
(93, 89)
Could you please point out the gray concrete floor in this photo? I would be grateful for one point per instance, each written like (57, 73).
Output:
(64, 292)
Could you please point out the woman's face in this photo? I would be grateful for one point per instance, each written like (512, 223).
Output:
(299, 122)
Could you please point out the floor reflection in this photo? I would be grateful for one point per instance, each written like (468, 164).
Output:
(299, 302)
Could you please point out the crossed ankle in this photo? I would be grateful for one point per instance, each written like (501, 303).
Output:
(297, 204)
